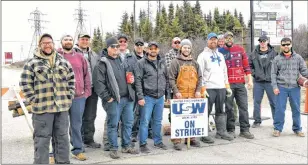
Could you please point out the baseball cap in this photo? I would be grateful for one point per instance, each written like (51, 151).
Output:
(45, 35)
(84, 35)
(228, 34)
(122, 36)
(139, 40)
(263, 38)
(211, 35)
(176, 39)
(153, 43)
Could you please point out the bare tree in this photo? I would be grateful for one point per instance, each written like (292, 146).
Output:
(300, 40)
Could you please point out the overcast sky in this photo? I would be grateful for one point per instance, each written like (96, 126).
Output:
(60, 14)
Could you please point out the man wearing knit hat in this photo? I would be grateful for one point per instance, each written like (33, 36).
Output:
(113, 81)
(89, 115)
(82, 92)
(185, 79)
(48, 83)
(238, 66)
(216, 86)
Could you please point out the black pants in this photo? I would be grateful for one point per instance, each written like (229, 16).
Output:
(47, 126)
(239, 92)
(88, 119)
(217, 97)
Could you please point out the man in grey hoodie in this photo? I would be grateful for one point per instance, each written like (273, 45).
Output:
(89, 116)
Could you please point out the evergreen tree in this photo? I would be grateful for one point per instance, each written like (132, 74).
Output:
(170, 13)
(235, 13)
(241, 19)
(180, 15)
(125, 26)
(197, 8)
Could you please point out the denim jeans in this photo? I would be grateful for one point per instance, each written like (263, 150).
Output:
(115, 111)
(281, 100)
(75, 114)
(258, 92)
(153, 107)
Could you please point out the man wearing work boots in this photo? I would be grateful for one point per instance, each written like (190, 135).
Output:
(48, 84)
(113, 81)
(82, 92)
(185, 80)
(215, 80)
(260, 62)
(151, 86)
(89, 115)
(286, 69)
(238, 65)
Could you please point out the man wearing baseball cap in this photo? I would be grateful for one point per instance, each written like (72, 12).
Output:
(260, 62)
(238, 66)
(176, 44)
(215, 86)
(89, 115)
(48, 83)
(151, 86)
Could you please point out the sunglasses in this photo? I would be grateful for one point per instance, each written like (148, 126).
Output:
(176, 42)
(139, 44)
(122, 41)
(285, 44)
(263, 41)
(114, 46)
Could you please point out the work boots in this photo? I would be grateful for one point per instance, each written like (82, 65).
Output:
(221, 131)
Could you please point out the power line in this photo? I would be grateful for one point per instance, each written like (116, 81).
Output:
(37, 21)
(80, 21)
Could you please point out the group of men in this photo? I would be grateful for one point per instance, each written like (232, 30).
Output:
(63, 87)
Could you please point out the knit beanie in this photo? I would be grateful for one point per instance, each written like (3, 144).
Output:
(186, 42)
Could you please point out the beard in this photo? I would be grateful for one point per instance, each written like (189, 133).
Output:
(47, 54)
(67, 47)
(288, 51)
(229, 44)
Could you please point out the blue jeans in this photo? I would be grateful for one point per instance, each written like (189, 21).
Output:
(153, 107)
(258, 92)
(115, 111)
(281, 100)
(75, 114)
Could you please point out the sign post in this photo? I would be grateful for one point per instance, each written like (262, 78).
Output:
(273, 19)
(189, 118)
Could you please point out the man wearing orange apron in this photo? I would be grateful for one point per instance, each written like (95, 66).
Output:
(185, 79)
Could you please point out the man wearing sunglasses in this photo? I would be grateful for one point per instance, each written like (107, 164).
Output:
(113, 81)
(286, 69)
(140, 53)
(238, 66)
(151, 86)
(123, 42)
(260, 62)
(176, 45)
(89, 115)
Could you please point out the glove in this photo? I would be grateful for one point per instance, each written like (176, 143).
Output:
(204, 93)
(229, 92)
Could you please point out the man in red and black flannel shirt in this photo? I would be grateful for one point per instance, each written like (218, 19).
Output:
(238, 66)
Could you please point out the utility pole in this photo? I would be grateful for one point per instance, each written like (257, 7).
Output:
(80, 21)
(134, 20)
(37, 20)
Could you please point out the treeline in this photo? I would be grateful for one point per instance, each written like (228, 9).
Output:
(184, 21)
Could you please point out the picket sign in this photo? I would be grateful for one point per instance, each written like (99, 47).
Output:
(13, 92)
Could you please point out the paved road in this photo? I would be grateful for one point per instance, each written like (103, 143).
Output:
(17, 144)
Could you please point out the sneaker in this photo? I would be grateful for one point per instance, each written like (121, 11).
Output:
(92, 145)
(256, 125)
(232, 133)
(177, 146)
(276, 133)
(300, 134)
(194, 143)
(114, 154)
(161, 146)
(134, 139)
(130, 150)
(207, 139)
(80, 157)
(144, 148)
(247, 135)
(106, 147)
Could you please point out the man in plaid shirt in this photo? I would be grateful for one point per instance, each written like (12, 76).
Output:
(48, 83)
(173, 52)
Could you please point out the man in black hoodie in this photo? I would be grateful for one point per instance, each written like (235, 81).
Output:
(260, 62)
(113, 80)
